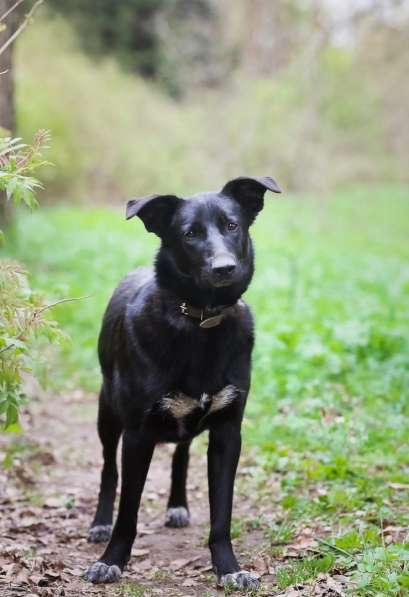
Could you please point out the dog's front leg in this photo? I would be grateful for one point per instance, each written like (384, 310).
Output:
(223, 456)
(137, 451)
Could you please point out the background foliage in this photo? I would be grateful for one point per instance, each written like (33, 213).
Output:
(284, 95)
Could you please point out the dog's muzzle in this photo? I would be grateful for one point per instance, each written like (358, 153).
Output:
(222, 269)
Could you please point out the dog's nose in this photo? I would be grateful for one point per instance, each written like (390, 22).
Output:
(223, 266)
(224, 270)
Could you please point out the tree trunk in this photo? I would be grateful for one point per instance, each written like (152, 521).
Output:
(7, 112)
(7, 107)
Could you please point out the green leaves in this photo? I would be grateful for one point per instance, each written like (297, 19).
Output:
(22, 323)
(20, 189)
(304, 570)
(382, 571)
(18, 161)
(22, 319)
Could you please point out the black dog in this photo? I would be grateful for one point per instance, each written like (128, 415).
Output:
(175, 352)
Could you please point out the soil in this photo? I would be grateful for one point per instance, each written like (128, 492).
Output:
(48, 496)
(47, 500)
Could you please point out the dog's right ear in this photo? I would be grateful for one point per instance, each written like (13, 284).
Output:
(155, 211)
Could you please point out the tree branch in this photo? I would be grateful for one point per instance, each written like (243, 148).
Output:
(10, 10)
(64, 300)
(6, 348)
(22, 26)
(38, 312)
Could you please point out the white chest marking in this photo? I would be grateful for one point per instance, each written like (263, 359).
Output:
(180, 405)
(223, 398)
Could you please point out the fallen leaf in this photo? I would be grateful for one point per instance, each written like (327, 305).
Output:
(54, 502)
(181, 563)
(398, 486)
(140, 552)
(22, 576)
(189, 583)
(145, 531)
(261, 565)
(43, 456)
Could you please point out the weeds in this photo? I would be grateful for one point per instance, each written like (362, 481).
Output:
(302, 571)
(132, 590)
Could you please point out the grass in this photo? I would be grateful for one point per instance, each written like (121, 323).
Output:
(302, 571)
(131, 590)
(328, 412)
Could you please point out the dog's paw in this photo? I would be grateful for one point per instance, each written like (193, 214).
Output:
(239, 580)
(177, 517)
(99, 533)
(101, 573)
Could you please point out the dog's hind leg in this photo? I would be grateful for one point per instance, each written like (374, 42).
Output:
(177, 514)
(109, 431)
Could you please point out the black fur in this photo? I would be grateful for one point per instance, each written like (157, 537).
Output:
(159, 364)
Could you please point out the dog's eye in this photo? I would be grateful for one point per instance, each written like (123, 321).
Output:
(232, 226)
(190, 234)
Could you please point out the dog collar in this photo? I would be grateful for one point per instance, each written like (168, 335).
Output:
(209, 318)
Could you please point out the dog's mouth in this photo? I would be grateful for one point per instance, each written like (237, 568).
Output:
(222, 283)
(207, 280)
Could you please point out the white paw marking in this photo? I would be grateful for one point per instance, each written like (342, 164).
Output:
(177, 517)
(99, 533)
(102, 573)
(239, 580)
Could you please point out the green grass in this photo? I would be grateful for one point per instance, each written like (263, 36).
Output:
(328, 411)
(131, 590)
(302, 571)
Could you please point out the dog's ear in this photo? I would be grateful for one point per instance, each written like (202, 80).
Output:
(249, 192)
(155, 211)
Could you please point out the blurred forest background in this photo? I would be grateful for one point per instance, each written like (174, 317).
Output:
(178, 96)
(183, 94)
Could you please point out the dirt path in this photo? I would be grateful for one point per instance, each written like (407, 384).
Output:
(48, 498)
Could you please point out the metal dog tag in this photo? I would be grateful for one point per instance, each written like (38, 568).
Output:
(211, 322)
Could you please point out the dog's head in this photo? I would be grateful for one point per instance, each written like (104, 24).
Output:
(206, 237)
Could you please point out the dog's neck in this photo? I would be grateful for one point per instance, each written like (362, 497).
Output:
(184, 288)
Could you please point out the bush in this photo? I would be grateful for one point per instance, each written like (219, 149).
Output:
(22, 311)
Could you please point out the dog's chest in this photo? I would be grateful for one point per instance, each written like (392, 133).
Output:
(188, 415)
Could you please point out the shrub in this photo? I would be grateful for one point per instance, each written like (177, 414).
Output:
(22, 311)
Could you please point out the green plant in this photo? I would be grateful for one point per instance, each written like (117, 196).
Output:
(303, 570)
(132, 590)
(18, 162)
(383, 571)
(22, 311)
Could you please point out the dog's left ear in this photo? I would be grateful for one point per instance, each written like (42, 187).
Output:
(249, 192)
(155, 211)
